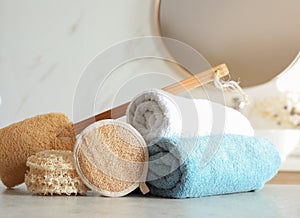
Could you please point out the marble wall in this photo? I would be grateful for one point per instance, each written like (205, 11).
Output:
(46, 45)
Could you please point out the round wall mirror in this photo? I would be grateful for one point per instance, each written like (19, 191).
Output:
(256, 39)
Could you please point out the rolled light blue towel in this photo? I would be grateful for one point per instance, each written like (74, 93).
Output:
(177, 167)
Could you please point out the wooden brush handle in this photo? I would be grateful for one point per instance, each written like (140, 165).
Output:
(192, 82)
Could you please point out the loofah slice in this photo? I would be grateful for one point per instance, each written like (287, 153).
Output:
(19, 141)
(53, 173)
(112, 158)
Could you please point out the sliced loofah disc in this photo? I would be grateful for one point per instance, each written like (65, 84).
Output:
(111, 157)
(53, 173)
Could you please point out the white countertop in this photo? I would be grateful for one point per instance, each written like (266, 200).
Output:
(272, 201)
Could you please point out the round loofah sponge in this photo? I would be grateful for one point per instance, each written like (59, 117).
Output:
(23, 139)
(53, 173)
(111, 157)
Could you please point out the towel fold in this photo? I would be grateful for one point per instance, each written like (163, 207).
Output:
(156, 114)
(241, 164)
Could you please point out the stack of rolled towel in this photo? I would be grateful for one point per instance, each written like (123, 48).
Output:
(200, 148)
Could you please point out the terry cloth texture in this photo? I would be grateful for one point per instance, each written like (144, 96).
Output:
(19, 141)
(241, 164)
(156, 114)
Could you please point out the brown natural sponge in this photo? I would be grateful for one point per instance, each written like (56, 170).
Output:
(18, 141)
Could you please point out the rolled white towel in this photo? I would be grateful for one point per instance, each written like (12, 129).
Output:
(156, 114)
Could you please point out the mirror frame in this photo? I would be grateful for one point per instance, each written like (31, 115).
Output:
(157, 29)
